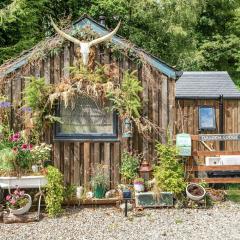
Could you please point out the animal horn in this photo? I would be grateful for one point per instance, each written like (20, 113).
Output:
(106, 37)
(63, 34)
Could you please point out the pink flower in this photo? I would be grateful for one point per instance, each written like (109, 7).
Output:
(8, 197)
(24, 146)
(15, 137)
(12, 201)
(21, 193)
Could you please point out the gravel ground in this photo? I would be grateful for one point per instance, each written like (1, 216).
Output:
(220, 222)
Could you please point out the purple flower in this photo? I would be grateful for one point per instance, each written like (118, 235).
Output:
(5, 104)
(26, 109)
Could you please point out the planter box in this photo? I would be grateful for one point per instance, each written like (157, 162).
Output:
(149, 199)
(23, 182)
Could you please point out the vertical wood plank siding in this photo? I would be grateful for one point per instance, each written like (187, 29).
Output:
(77, 160)
(187, 112)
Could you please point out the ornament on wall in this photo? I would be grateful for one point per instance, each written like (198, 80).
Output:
(85, 46)
(127, 128)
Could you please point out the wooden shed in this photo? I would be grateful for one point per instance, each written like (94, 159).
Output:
(77, 157)
(208, 103)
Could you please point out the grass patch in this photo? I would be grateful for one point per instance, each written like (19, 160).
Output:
(233, 195)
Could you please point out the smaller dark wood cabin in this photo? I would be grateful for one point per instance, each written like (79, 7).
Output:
(208, 102)
(77, 157)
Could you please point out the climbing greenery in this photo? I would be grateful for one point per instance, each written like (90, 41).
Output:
(36, 93)
(35, 100)
(126, 100)
(169, 171)
(54, 192)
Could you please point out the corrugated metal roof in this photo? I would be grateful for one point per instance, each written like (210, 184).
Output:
(101, 30)
(206, 85)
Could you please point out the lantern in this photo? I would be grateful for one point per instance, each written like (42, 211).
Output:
(127, 128)
(145, 170)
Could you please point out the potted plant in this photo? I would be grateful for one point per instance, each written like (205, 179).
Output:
(99, 182)
(138, 184)
(18, 202)
(195, 191)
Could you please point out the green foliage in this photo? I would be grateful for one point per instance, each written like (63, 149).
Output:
(69, 192)
(233, 192)
(7, 158)
(99, 178)
(35, 97)
(233, 195)
(169, 172)
(36, 93)
(126, 99)
(41, 153)
(54, 191)
(191, 35)
(139, 180)
(129, 166)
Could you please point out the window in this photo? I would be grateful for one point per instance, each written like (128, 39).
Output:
(207, 118)
(87, 119)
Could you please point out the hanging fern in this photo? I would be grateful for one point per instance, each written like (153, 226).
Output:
(36, 93)
(126, 99)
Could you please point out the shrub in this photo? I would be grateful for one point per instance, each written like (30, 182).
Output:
(169, 172)
(129, 167)
(54, 191)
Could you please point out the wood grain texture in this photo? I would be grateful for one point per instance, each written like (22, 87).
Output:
(190, 111)
(216, 180)
(77, 160)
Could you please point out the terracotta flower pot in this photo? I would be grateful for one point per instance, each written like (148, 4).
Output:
(24, 209)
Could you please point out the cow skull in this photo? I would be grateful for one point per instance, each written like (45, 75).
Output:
(85, 46)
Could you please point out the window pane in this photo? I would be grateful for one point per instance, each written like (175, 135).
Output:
(86, 117)
(207, 118)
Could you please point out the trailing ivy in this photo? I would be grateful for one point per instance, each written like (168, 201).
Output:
(54, 192)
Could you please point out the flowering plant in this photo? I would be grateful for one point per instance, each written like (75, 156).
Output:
(20, 157)
(21, 150)
(17, 199)
(138, 181)
(41, 153)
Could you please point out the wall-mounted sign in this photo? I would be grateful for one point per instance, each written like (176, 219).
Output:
(184, 144)
(220, 137)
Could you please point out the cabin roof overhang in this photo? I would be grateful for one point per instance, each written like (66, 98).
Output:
(206, 86)
(83, 22)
